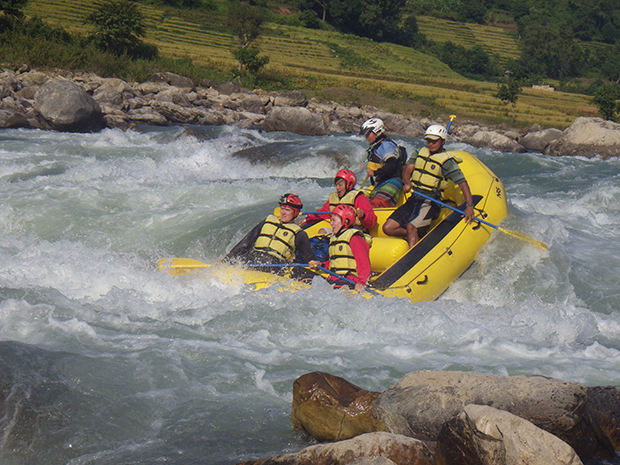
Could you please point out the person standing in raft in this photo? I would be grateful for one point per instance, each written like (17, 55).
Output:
(384, 166)
(349, 250)
(427, 172)
(276, 240)
(345, 194)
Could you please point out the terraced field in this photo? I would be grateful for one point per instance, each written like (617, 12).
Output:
(319, 59)
(494, 40)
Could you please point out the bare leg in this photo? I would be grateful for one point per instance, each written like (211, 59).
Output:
(412, 235)
(393, 228)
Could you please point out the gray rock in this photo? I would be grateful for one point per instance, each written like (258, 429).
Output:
(398, 449)
(538, 141)
(484, 435)
(65, 106)
(292, 98)
(495, 141)
(298, 120)
(588, 137)
(9, 119)
(421, 402)
(174, 80)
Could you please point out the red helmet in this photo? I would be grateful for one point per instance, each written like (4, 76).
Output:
(349, 178)
(346, 213)
(292, 201)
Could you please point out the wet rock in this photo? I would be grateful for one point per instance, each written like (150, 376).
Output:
(484, 435)
(9, 119)
(604, 412)
(330, 408)
(588, 137)
(65, 106)
(392, 448)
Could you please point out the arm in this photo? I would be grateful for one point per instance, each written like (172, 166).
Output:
(469, 210)
(311, 219)
(364, 211)
(407, 177)
(361, 252)
(241, 250)
(302, 244)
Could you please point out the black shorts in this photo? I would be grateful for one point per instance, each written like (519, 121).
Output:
(418, 211)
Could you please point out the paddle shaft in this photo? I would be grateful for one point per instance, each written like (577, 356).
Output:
(480, 220)
(439, 202)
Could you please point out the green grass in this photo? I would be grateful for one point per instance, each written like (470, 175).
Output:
(325, 62)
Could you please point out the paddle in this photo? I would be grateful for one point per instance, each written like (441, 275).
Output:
(346, 280)
(452, 118)
(480, 220)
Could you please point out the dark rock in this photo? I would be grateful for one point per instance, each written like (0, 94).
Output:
(604, 412)
(65, 106)
(330, 408)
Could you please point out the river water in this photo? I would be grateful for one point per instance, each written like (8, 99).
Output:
(106, 360)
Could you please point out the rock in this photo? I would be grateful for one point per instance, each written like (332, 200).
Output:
(65, 106)
(421, 402)
(147, 116)
(298, 120)
(230, 88)
(292, 98)
(330, 408)
(495, 141)
(588, 137)
(174, 80)
(603, 410)
(391, 447)
(10, 119)
(484, 435)
(539, 140)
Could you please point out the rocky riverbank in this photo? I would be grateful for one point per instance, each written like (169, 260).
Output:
(84, 102)
(451, 417)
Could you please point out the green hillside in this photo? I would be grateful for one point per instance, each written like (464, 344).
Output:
(318, 60)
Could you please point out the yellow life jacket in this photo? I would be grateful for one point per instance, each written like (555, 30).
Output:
(428, 174)
(341, 259)
(277, 239)
(347, 199)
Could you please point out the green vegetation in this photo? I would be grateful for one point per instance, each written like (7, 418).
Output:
(322, 61)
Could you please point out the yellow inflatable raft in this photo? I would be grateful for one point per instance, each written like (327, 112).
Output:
(421, 273)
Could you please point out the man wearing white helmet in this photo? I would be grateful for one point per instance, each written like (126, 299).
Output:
(384, 165)
(427, 172)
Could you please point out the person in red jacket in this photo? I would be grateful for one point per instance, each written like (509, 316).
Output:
(349, 250)
(346, 194)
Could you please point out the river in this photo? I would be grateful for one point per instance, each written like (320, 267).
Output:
(106, 360)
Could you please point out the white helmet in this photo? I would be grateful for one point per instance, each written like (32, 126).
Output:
(373, 124)
(436, 131)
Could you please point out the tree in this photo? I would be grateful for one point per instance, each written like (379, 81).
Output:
(246, 22)
(324, 4)
(509, 92)
(605, 99)
(119, 24)
(376, 19)
(13, 7)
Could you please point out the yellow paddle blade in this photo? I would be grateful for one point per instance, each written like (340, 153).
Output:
(523, 238)
(177, 266)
